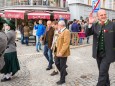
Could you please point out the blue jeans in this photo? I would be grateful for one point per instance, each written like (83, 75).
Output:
(26, 40)
(48, 55)
(38, 44)
(22, 38)
(80, 40)
(87, 39)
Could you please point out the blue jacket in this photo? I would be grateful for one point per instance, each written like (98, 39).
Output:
(40, 29)
(75, 27)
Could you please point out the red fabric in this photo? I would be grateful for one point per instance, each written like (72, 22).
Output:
(81, 34)
(38, 16)
(13, 14)
(64, 15)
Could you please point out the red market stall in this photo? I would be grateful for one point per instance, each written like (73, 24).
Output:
(65, 15)
(38, 15)
(17, 14)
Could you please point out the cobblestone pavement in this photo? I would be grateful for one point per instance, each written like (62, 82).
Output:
(82, 69)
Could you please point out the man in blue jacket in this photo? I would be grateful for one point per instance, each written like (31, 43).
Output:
(40, 30)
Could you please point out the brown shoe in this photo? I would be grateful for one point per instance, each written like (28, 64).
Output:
(54, 73)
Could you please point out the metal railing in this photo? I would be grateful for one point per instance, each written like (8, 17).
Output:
(79, 38)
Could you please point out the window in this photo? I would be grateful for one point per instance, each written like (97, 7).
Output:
(103, 3)
(37, 2)
(114, 5)
(89, 2)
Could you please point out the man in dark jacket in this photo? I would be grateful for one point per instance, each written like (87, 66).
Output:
(3, 44)
(74, 34)
(103, 32)
(47, 41)
(75, 27)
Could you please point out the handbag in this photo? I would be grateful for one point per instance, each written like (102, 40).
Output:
(34, 32)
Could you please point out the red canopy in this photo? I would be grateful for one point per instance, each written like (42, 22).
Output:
(38, 15)
(18, 14)
(65, 15)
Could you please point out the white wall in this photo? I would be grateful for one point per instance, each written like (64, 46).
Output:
(111, 15)
(72, 1)
(108, 4)
(77, 10)
(86, 2)
(74, 11)
(75, 1)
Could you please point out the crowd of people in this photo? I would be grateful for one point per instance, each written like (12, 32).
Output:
(56, 40)
(78, 27)
(75, 27)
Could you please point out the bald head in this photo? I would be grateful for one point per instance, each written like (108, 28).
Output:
(49, 24)
(102, 16)
(101, 11)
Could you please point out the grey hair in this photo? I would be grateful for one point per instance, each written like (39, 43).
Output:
(62, 23)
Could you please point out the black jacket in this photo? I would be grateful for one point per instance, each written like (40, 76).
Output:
(109, 39)
(49, 37)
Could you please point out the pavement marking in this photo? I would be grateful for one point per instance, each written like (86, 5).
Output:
(31, 54)
(79, 46)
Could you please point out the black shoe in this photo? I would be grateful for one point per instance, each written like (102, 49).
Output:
(52, 62)
(49, 68)
(5, 79)
(66, 74)
(37, 50)
(40, 49)
(60, 82)
(54, 73)
(66, 66)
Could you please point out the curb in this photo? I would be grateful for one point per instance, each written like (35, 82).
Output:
(79, 46)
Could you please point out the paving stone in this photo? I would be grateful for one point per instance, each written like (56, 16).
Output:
(82, 69)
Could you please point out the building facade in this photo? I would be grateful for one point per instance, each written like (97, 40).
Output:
(82, 8)
(53, 3)
(37, 8)
(33, 10)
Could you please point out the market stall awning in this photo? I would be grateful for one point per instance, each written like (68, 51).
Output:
(18, 14)
(38, 15)
(65, 15)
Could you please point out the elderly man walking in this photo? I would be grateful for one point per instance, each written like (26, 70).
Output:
(103, 32)
(63, 50)
(47, 41)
